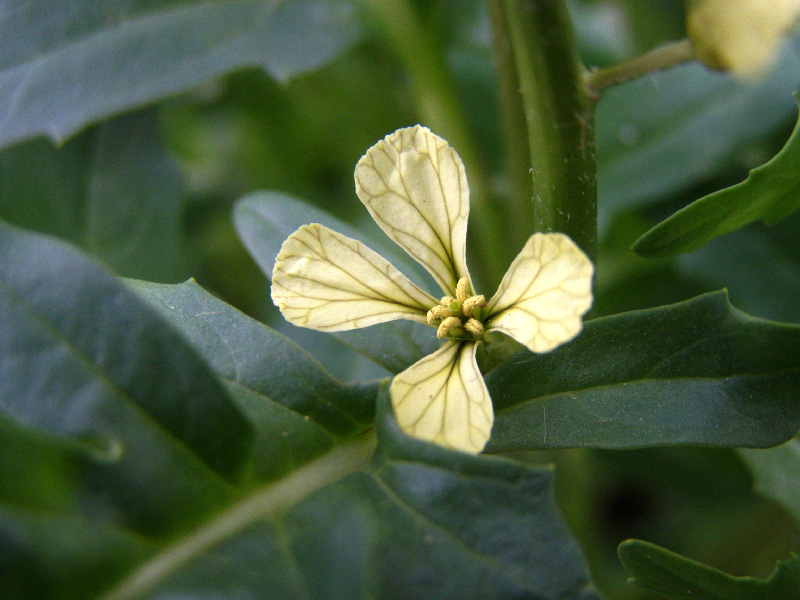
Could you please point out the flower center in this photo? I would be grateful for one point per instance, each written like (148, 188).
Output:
(459, 318)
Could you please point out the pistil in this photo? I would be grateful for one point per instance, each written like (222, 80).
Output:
(460, 317)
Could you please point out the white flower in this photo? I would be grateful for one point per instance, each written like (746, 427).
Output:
(740, 36)
(414, 186)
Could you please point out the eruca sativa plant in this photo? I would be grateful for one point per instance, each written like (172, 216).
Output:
(414, 186)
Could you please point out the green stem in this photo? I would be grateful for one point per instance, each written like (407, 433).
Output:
(515, 131)
(418, 47)
(267, 502)
(559, 118)
(660, 59)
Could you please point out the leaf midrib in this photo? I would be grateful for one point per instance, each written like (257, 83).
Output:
(264, 502)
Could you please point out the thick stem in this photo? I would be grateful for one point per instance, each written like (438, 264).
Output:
(515, 130)
(660, 59)
(558, 114)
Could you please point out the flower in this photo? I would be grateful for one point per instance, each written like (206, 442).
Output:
(740, 36)
(414, 186)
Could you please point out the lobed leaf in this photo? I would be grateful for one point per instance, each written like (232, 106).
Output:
(298, 409)
(670, 130)
(122, 398)
(770, 193)
(418, 522)
(87, 61)
(696, 372)
(676, 577)
(264, 220)
(114, 190)
(775, 472)
(415, 521)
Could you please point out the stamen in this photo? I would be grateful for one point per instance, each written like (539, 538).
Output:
(437, 312)
(474, 327)
(471, 303)
(447, 325)
(462, 289)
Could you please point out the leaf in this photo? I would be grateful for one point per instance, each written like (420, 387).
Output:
(265, 219)
(770, 193)
(418, 522)
(88, 365)
(414, 521)
(759, 266)
(50, 556)
(298, 409)
(696, 372)
(775, 471)
(114, 190)
(677, 578)
(82, 62)
(395, 346)
(668, 131)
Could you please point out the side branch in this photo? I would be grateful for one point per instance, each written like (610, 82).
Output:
(660, 59)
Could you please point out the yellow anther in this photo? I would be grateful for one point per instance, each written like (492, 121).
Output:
(437, 312)
(462, 289)
(446, 300)
(447, 325)
(474, 327)
(471, 303)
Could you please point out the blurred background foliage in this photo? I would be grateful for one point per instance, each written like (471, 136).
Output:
(151, 194)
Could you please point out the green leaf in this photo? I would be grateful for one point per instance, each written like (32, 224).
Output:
(45, 555)
(89, 365)
(81, 62)
(664, 132)
(775, 471)
(412, 521)
(265, 219)
(298, 409)
(696, 372)
(114, 190)
(759, 265)
(678, 578)
(770, 193)
(418, 522)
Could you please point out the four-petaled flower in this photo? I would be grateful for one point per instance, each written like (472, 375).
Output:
(415, 187)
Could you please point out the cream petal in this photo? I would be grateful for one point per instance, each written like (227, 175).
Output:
(443, 399)
(544, 294)
(414, 186)
(742, 37)
(326, 281)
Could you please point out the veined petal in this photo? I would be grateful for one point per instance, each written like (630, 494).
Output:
(414, 186)
(544, 294)
(326, 281)
(443, 399)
